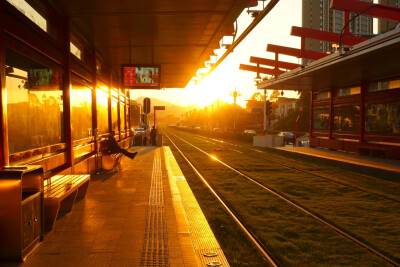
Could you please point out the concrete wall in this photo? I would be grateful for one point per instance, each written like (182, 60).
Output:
(268, 141)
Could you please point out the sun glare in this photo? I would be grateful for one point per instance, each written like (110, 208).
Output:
(217, 85)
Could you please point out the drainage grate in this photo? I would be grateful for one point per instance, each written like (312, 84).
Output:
(155, 250)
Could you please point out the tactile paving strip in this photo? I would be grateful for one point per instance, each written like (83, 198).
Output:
(201, 234)
(155, 250)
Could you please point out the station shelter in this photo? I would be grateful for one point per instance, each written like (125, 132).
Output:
(355, 100)
(60, 66)
(66, 71)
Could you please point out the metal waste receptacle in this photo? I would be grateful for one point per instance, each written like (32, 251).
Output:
(159, 140)
(138, 140)
(21, 206)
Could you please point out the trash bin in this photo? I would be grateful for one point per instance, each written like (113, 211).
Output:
(21, 206)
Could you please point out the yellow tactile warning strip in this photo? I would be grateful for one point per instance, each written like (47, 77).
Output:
(155, 250)
(201, 235)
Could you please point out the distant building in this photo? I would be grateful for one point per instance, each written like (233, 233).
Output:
(386, 25)
(254, 104)
(283, 105)
(317, 15)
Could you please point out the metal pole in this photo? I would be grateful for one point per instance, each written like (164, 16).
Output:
(255, 120)
(262, 125)
(265, 113)
(217, 113)
(234, 113)
(297, 127)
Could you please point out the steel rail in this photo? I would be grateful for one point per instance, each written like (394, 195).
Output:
(298, 206)
(307, 172)
(263, 152)
(271, 259)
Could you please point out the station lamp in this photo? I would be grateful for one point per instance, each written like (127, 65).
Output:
(257, 79)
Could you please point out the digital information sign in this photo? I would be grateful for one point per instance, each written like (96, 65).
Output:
(141, 76)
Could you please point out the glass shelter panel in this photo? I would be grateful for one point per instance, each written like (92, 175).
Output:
(122, 117)
(321, 119)
(75, 50)
(384, 85)
(383, 118)
(322, 95)
(81, 116)
(30, 13)
(102, 111)
(348, 91)
(346, 118)
(114, 114)
(34, 104)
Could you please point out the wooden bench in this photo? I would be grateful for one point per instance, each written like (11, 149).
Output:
(60, 192)
(110, 161)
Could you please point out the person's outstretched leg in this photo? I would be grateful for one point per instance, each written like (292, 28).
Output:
(128, 154)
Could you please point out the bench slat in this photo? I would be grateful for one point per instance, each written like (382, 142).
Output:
(64, 185)
(67, 183)
(57, 186)
(61, 182)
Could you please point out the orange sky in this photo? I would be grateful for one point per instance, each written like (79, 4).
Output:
(274, 29)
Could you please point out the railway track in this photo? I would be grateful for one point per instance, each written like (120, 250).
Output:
(263, 250)
(293, 160)
(276, 193)
(287, 166)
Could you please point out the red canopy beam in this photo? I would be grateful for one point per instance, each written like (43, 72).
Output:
(260, 69)
(271, 62)
(252, 3)
(326, 36)
(378, 11)
(294, 52)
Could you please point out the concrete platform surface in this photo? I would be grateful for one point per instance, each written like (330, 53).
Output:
(143, 215)
(392, 165)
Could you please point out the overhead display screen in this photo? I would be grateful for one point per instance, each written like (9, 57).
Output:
(141, 76)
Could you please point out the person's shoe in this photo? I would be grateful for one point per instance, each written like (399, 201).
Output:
(133, 155)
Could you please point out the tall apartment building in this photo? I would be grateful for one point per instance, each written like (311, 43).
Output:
(318, 15)
(385, 25)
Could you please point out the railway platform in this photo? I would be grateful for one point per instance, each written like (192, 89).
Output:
(366, 163)
(143, 215)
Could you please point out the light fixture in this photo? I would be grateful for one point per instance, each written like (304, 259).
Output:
(254, 12)
(201, 71)
(257, 79)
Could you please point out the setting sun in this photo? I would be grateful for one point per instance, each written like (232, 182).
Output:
(217, 85)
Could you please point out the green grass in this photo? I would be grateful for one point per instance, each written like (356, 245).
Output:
(295, 238)
(237, 247)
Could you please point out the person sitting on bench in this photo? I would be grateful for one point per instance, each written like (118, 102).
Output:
(114, 148)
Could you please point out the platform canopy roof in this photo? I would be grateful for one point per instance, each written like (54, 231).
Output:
(376, 58)
(180, 34)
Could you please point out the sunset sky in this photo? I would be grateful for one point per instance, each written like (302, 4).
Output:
(273, 29)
